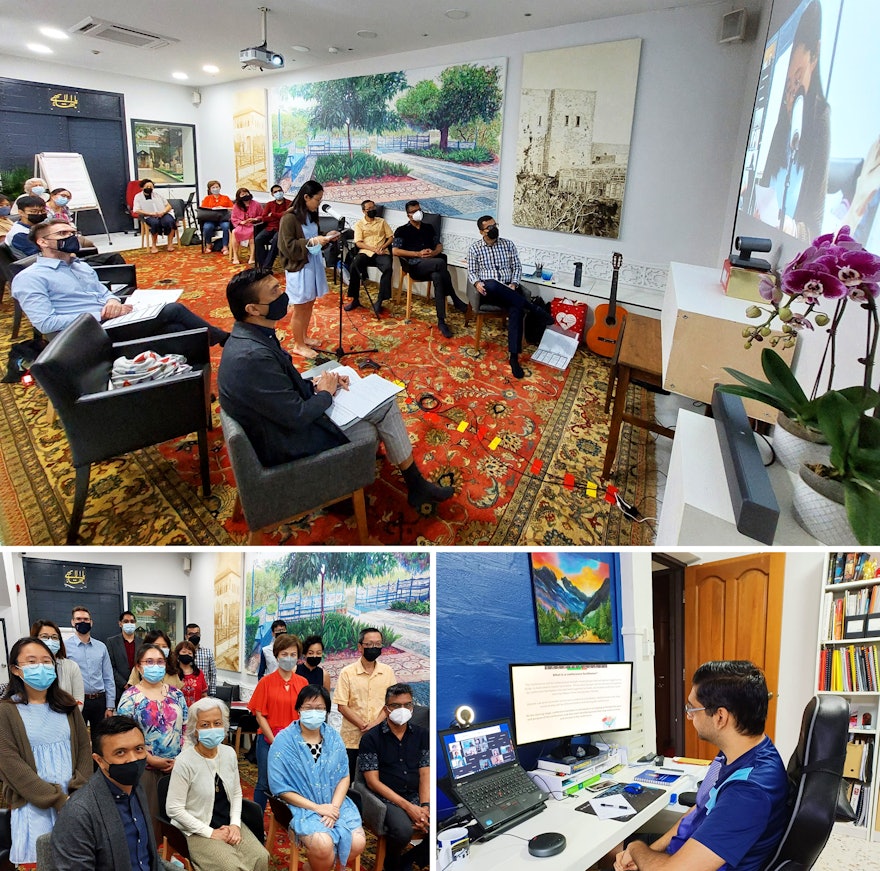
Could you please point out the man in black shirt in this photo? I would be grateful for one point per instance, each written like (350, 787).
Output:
(417, 244)
(394, 758)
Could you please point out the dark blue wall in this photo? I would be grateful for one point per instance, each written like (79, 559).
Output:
(485, 621)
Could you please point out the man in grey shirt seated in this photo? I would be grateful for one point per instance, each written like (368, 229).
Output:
(58, 288)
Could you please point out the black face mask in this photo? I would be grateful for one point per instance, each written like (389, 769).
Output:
(185, 659)
(70, 245)
(371, 213)
(313, 661)
(148, 193)
(127, 773)
(82, 627)
(195, 639)
(36, 219)
(246, 198)
(277, 309)
(492, 232)
(371, 654)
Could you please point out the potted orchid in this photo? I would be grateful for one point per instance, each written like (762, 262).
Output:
(834, 270)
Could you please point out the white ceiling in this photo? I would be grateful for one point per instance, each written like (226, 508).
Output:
(213, 31)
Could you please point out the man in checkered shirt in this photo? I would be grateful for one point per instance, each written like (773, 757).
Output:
(204, 657)
(494, 270)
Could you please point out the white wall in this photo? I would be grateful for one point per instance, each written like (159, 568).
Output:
(687, 138)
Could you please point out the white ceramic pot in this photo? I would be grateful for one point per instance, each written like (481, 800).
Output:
(795, 444)
(819, 509)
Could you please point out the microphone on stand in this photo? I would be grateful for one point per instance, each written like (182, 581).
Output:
(328, 210)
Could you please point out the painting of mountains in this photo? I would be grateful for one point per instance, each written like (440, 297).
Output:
(573, 598)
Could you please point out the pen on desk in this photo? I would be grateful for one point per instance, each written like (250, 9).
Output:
(606, 804)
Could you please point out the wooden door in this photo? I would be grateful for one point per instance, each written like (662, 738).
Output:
(733, 610)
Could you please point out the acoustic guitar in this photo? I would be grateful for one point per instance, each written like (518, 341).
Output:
(602, 336)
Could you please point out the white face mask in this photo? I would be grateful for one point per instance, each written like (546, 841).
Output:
(215, 191)
(417, 216)
(400, 716)
(128, 628)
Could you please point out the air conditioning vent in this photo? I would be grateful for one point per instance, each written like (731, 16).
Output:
(119, 34)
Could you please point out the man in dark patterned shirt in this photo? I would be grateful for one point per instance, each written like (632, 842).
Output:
(395, 762)
(494, 270)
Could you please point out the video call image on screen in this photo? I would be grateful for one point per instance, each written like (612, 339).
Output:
(812, 161)
(479, 750)
(559, 700)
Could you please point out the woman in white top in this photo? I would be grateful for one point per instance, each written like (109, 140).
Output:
(204, 796)
(69, 676)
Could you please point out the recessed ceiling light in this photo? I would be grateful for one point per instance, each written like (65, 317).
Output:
(367, 34)
(180, 76)
(457, 13)
(54, 33)
(39, 48)
(332, 49)
(303, 48)
(210, 68)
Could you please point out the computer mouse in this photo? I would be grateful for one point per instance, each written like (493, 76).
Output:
(634, 788)
(546, 844)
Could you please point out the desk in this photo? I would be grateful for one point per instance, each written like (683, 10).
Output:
(588, 838)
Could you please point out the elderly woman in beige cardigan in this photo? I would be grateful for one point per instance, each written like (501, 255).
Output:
(44, 746)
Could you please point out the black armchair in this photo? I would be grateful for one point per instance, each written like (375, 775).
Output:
(815, 773)
(74, 371)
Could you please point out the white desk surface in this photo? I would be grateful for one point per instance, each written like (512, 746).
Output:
(588, 838)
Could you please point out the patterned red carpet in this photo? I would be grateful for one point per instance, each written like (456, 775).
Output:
(520, 468)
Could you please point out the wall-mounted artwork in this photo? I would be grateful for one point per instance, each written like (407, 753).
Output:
(575, 125)
(573, 595)
(431, 134)
(167, 613)
(227, 611)
(249, 139)
(165, 153)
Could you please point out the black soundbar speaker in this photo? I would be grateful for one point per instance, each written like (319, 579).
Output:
(754, 502)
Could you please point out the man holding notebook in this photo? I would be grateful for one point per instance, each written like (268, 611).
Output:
(55, 290)
(282, 413)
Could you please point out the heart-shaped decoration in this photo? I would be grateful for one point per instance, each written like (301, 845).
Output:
(566, 320)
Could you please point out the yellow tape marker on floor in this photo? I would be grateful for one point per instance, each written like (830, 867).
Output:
(494, 443)
(462, 426)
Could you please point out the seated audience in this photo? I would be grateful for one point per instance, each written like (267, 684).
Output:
(160, 710)
(395, 760)
(192, 682)
(273, 703)
(494, 270)
(308, 769)
(35, 187)
(204, 796)
(310, 667)
(44, 746)
(219, 202)
(57, 204)
(268, 663)
(31, 211)
(245, 213)
(70, 677)
(372, 238)
(106, 826)
(282, 413)
(264, 241)
(6, 222)
(157, 213)
(55, 290)
(417, 244)
(739, 819)
(163, 642)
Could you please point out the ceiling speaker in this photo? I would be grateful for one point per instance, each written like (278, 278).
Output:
(733, 26)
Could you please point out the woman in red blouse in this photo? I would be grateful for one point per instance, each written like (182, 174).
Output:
(272, 214)
(216, 200)
(192, 682)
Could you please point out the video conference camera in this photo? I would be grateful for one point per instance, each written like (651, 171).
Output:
(746, 245)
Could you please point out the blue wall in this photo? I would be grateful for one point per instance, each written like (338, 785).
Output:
(485, 621)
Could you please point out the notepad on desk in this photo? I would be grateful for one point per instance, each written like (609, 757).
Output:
(661, 775)
(362, 396)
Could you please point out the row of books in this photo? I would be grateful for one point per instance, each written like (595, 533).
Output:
(854, 668)
(859, 759)
(843, 567)
(855, 603)
(857, 794)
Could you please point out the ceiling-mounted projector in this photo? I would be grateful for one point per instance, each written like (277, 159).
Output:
(259, 57)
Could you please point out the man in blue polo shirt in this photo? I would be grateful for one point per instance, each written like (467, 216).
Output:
(739, 820)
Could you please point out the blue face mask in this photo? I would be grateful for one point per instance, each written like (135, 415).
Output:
(313, 719)
(211, 738)
(62, 201)
(279, 195)
(314, 249)
(38, 677)
(53, 644)
(4, 211)
(38, 189)
(154, 673)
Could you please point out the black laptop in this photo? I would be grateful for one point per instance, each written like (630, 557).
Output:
(486, 776)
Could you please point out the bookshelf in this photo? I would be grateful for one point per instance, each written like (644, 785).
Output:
(848, 664)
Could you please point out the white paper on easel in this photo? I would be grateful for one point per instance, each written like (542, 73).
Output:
(609, 807)
(557, 347)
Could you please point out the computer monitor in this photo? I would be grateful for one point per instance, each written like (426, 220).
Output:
(558, 700)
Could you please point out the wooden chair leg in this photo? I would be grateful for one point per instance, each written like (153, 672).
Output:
(255, 536)
(381, 846)
(237, 510)
(203, 463)
(16, 319)
(478, 332)
(612, 381)
(360, 514)
(50, 413)
(623, 377)
(409, 293)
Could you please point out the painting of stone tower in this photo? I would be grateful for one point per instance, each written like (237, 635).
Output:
(576, 112)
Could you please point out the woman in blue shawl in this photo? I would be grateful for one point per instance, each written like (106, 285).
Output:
(308, 769)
